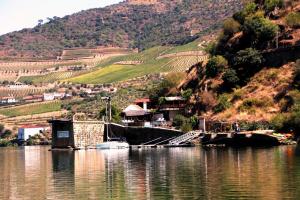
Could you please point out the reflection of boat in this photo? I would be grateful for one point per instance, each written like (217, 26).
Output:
(113, 144)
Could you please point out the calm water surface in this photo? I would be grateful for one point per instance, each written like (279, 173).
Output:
(180, 173)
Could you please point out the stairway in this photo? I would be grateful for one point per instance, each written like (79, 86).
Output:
(185, 138)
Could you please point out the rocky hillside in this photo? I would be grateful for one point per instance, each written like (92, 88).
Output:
(254, 69)
(133, 23)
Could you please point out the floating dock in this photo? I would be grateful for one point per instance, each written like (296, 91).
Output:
(242, 139)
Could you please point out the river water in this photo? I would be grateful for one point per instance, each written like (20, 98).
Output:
(179, 173)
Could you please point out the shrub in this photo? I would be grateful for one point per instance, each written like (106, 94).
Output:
(237, 95)
(279, 122)
(6, 134)
(293, 19)
(249, 60)
(179, 120)
(186, 127)
(115, 113)
(5, 143)
(230, 78)
(215, 65)
(186, 94)
(170, 81)
(211, 48)
(253, 102)
(270, 5)
(260, 29)
(183, 123)
(250, 9)
(223, 103)
(231, 26)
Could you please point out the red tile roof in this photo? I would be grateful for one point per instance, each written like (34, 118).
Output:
(144, 100)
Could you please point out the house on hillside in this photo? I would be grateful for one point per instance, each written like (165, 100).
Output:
(33, 98)
(145, 103)
(25, 132)
(172, 106)
(18, 85)
(8, 100)
(135, 115)
(53, 96)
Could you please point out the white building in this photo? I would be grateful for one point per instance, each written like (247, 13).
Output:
(7, 100)
(18, 86)
(53, 96)
(48, 96)
(25, 132)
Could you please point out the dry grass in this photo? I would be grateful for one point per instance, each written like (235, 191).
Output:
(255, 101)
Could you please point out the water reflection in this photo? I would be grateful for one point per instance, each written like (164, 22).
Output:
(180, 173)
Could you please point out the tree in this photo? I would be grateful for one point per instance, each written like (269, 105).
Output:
(6, 134)
(249, 9)
(270, 5)
(186, 94)
(115, 113)
(248, 59)
(230, 78)
(293, 19)
(40, 22)
(260, 29)
(231, 27)
(223, 103)
(215, 65)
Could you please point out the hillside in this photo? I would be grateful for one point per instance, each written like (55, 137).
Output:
(253, 71)
(159, 59)
(133, 24)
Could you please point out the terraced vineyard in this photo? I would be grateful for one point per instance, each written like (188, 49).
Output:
(50, 78)
(31, 109)
(181, 64)
(21, 92)
(110, 72)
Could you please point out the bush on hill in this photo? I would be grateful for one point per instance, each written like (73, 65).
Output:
(215, 66)
(223, 103)
(247, 62)
(270, 5)
(293, 19)
(249, 9)
(230, 79)
(259, 29)
(231, 26)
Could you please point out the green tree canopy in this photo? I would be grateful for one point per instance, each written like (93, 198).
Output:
(260, 28)
(216, 65)
(231, 26)
(270, 5)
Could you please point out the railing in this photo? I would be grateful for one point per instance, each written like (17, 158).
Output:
(185, 138)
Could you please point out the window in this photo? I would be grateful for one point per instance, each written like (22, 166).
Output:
(63, 134)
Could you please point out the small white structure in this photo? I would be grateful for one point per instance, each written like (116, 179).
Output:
(48, 96)
(53, 96)
(25, 132)
(8, 100)
(18, 85)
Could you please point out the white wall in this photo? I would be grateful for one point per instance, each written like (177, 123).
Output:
(25, 133)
